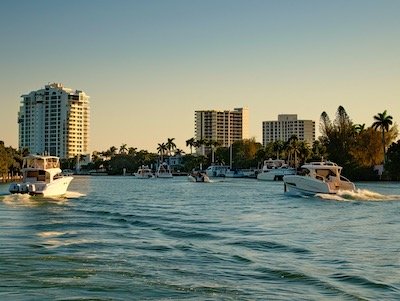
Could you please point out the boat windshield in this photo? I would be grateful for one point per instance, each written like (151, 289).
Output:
(41, 163)
(325, 173)
(52, 163)
(37, 163)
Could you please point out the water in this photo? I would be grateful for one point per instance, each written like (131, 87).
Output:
(120, 238)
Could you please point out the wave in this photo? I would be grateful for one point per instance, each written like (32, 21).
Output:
(28, 200)
(358, 195)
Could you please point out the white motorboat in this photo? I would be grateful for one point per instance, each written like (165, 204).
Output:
(144, 172)
(275, 170)
(199, 177)
(217, 170)
(42, 176)
(318, 177)
(164, 171)
(234, 173)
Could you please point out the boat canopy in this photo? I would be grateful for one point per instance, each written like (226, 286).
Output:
(41, 162)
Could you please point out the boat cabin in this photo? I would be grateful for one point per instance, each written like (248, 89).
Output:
(40, 169)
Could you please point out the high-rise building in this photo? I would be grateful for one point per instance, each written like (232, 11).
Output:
(286, 126)
(55, 121)
(225, 127)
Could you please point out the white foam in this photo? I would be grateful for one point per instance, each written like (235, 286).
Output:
(74, 195)
(358, 195)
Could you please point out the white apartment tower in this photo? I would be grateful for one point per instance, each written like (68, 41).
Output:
(286, 126)
(225, 127)
(55, 121)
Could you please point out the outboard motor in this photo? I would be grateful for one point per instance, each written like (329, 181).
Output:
(15, 188)
(23, 188)
(31, 188)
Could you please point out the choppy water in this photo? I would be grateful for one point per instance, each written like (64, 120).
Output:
(119, 238)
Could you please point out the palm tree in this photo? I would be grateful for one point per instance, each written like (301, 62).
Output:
(190, 142)
(200, 144)
(293, 148)
(383, 122)
(132, 150)
(213, 144)
(178, 152)
(162, 148)
(170, 145)
(277, 147)
(358, 128)
(111, 151)
(122, 148)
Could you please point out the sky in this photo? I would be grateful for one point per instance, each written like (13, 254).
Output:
(148, 65)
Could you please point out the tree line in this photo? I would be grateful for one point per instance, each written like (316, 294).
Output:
(354, 146)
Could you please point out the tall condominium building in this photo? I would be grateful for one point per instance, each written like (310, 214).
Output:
(225, 127)
(286, 126)
(55, 121)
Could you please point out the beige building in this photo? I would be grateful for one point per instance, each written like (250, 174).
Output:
(286, 126)
(225, 127)
(55, 121)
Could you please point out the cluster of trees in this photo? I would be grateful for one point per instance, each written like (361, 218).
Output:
(354, 146)
(10, 161)
(357, 148)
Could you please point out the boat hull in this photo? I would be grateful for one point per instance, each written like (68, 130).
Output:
(275, 174)
(165, 176)
(56, 188)
(303, 185)
(196, 179)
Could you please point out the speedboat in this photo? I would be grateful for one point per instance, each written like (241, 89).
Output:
(144, 172)
(318, 177)
(275, 170)
(164, 171)
(199, 177)
(41, 175)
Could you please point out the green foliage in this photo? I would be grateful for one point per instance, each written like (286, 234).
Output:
(10, 160)
(244, 153)
(355, 147)
(392, 166)
(193, 162)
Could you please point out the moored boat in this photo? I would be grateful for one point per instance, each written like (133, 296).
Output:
(217, 170)
(318, 177)
(144, 172)
(275, 170)
(42, 176)
(164, 171)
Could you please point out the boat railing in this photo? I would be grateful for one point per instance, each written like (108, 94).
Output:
(343, 178)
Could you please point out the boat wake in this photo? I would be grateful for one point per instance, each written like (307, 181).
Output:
(358, 195)
(28, 200)
(74, 195)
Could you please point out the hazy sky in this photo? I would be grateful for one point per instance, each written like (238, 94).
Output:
(148, 65)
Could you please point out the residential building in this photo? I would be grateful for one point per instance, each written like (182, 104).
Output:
(286, 126)
(55, 121)
(225, 127)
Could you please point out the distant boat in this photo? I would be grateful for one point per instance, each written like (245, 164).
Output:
(217, 170)
(318, 177)
(42, 176)
(234, 173)
(144, 172)
(164, 171)
(275, 170)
